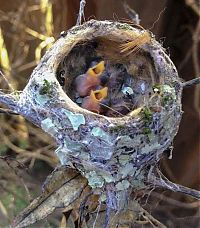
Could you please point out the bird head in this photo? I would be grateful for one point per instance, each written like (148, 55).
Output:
(92, 102)
(87, 82)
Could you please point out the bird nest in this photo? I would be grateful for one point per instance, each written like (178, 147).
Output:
(111, 97)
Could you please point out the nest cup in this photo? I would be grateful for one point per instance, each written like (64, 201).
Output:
(116, 147)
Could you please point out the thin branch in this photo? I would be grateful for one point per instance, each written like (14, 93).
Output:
(7, 111)
(195, 48)
(6, 80)
(9, 101)
(192, 82)
(195, 6)
(149, 218)
(175, 202)
(81, 12)
(131, 13)
(163, 182)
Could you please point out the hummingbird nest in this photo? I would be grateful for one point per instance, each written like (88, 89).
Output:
(111, 97)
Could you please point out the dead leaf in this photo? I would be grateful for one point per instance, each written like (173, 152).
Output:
(61, 188)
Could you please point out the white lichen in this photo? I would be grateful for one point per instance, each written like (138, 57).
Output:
(98, 132)
(75, 119)
(123, 185)
(48, 126)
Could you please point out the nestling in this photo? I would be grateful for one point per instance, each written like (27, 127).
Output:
(93, 101)
(86, 82)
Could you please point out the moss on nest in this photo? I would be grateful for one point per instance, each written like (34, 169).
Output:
(46, 88)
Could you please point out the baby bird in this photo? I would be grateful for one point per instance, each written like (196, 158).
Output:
(90, 80)
(93, 101)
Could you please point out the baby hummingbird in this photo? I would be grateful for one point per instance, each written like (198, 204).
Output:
(93, 101)
(86, 82)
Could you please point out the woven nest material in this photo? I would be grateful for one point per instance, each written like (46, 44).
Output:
(116, 144)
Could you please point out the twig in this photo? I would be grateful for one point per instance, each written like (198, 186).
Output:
(195, 52)
(193, 5)
(131, 13)
(175, 202)
(6, 80)
(148, 217)
(192, 82)
(81, 12)
(7, 111)
(162, 181)
(195, 57)
(8, 100)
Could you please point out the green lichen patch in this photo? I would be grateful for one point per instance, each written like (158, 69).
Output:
(169, 90)
(94, 180)
(124, 140)
(166, 92)
(107, 177)
(47, 90)
(147, 130)
(75, 119)
(41, 99)
(84, 156)
(48, 126)
(148, 117)
(139, 179)
(103, 198)
(169, 95)
(148, 148)
(62, 153)
(73, 146)
(16, 94)
(127, 141)
(98, 132)
(123, 185)
(126, 170)
(123, 159)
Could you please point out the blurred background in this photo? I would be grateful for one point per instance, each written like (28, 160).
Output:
(27, 29)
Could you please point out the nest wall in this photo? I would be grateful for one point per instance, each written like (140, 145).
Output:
(117, 152)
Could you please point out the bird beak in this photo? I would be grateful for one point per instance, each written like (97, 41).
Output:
(97, 70)
(92, 102)
(99, 95)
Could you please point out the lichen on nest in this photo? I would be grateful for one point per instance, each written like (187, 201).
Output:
(121, 73)
(116, 106)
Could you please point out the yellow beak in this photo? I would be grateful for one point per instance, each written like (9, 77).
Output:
(97, 69)
(99, 95)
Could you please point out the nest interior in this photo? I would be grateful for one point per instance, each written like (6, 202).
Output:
(124, 84)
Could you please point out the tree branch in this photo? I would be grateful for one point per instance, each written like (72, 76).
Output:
(9, 101)
(192, 82)
(7, 111)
